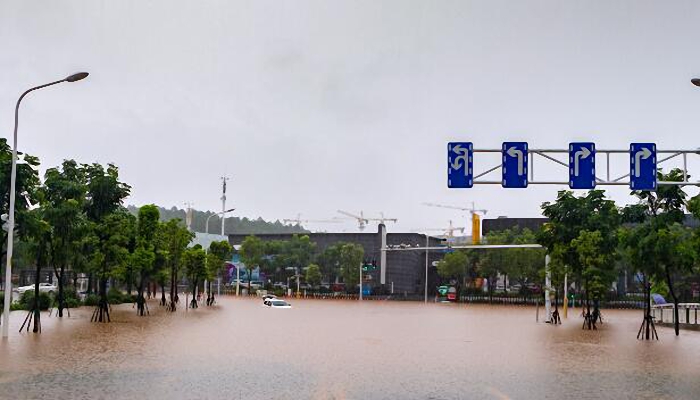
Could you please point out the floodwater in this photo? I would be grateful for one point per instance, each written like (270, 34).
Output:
(332, 349)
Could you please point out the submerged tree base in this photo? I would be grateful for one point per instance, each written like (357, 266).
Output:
(35, 315)
(101, 313)
(647, 331)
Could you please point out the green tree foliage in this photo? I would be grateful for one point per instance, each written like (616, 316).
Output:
(569, 217)
(252, 253)
(194, 260)
(313, 275)
(26, 195)
(453, 266)
(219, 253)
(350, 256)
(113, 226)
(659, 246)
(64, 210)
(520, 265)
(233, 224)
(172, 239)
(289, 257)
(143, 259)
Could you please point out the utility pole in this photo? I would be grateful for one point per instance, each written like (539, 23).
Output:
(188, 215)
(223, 204)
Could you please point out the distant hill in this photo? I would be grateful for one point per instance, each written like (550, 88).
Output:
(233, 224)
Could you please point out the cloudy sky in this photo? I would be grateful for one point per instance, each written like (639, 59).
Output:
(315, 106)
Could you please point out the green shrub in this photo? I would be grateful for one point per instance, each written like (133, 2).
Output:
(115, 296)
(27, 300)
(92, 300)
(279, 292)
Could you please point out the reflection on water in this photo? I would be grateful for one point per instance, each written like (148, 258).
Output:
(345, 350)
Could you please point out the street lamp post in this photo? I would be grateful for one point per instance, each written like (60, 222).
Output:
(11, 211)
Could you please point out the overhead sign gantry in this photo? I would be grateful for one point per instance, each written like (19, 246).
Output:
(517, 169)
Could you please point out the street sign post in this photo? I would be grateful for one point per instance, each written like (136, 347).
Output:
(581, 165)
(514, 166)
(643, 166)
(460, 166)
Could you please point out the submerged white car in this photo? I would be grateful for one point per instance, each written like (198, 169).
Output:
(277, 303)
(43, 287)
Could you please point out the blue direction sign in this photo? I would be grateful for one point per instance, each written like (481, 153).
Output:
(581, 165)
(514, 165)
(460, 165)
(643, 166)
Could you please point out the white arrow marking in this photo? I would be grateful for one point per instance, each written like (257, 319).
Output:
(579, 155)
(642, 154)
(456, 164)
(513, 152)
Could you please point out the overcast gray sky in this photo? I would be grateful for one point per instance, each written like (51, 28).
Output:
(314, 106)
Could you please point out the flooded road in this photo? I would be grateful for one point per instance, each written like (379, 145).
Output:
(327, 349)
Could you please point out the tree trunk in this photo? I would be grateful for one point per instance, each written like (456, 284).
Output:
(89, 286)
(61, 300)
(210, 295)
(140, 301)
(193, 303)
(128, 281)
(669, 282)
(162, 291)
(35, 310)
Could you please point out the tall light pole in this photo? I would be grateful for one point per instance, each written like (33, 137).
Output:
(223, 204)
(11, 211)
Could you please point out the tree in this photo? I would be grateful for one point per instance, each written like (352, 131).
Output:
(27, 194)
(454, 266)
(219, 253)
(194, 260)
(252, 253)
(595, 269)
(39, 244)
(522, 265)
(110, 253)
(113, 226)
(350, 256)
(568, 217)
(64, 210)
(654, 246)
(172, 241)
(290, 255)
(313, 275)
(144, 257)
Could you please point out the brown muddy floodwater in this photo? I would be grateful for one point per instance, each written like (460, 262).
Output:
(327, 349)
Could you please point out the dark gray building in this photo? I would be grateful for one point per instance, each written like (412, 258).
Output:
(405, 270)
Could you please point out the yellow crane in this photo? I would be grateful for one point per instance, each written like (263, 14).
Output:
(476, 218)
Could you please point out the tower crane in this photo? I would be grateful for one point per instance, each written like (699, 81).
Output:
(448, 230)
(476, 218)
(362, 221)
(299, 221)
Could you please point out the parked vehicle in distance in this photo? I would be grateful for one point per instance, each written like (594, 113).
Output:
(268, 297)
(277, 303)
(43, 287)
